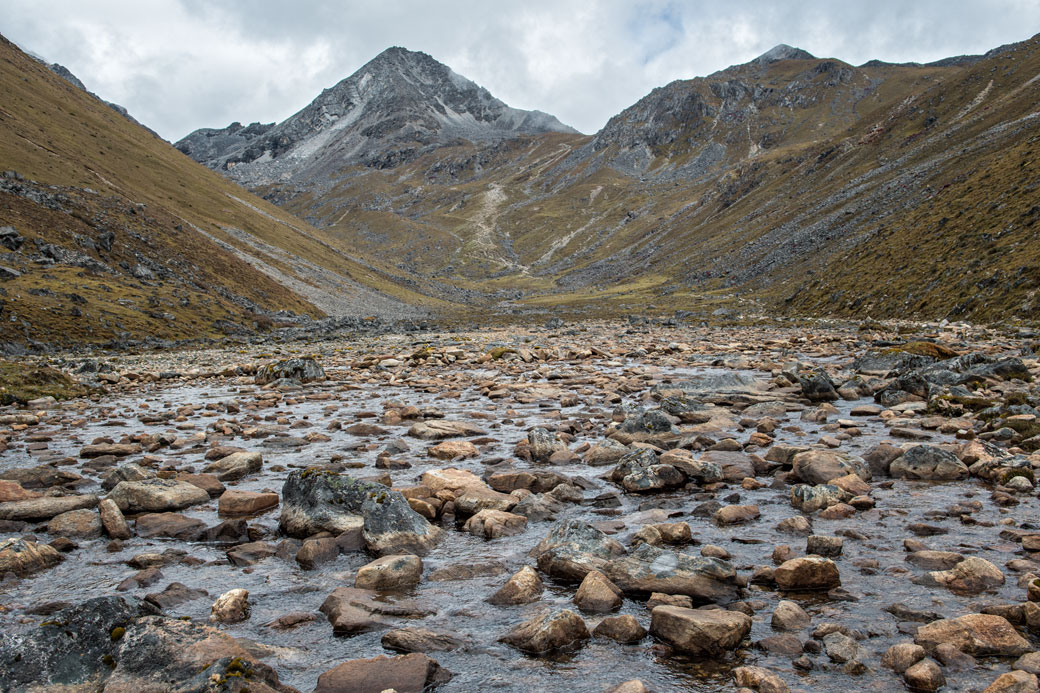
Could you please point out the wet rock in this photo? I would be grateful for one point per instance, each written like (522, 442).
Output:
(564, 630)
(934, 560)
(597, 594)
(735, 466)
(172, 525)
(292, 619)
(1028, 662)
(623, 629)
(821, 466)
(420, 640)
(970, 576)
(156, 652)
(13, 491)
(113, 449)
(840, 648)
(523, 587)
(39, 477)
(811, 499)
(235, 502)
(80, 524)
(156, 495)
(827, 547)
(70, 649)
(605, 452)
(492, 524)
(390, 573)
(736, 514)
(543, 444)
(651, 569)
(879, 458)
(477, 498)
(572, 548)
(231, 607)
(251, 553)
(454, 450)
(303, 370)
(633, 686)
(173, 595)
(902, 656)
(411, 673)
(705, 632)
(759, 679)
(46, 507)
(818, 387)
(1013, 682)
(928, 462)
(924, 676)
(112, 519)
(236, 466)
(23, 557)
(207, 482)
(952, 658)
(809, 573)
(315, 552)
(788, 616)
(795, 525)
(319, 500)
(979, 635)
(439, 429)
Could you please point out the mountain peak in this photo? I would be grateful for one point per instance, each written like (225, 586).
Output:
(391, 110)
(782, 51)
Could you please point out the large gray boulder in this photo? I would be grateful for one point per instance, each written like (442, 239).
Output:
(651, 569)
(928, 462)
(316, 500)
(573, 548)
(304, 370)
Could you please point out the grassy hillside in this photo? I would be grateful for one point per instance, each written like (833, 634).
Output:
(107, 198)
(801, 186)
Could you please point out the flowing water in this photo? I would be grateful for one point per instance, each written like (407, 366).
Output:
(872, 569)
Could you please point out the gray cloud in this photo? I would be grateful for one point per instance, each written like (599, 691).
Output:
(178, 65)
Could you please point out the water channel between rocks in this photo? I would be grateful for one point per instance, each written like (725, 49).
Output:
(277, 586)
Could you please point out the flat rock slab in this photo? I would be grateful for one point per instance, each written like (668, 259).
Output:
(234, 502)
(156, 495)
(439, 429)
(114, 449)
(45, 508)
(411, 673)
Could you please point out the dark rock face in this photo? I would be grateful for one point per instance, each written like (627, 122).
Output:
(818, 387)
(71, 646)
(385, 114)
(316, 500)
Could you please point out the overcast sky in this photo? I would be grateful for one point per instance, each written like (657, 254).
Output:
(178, 65)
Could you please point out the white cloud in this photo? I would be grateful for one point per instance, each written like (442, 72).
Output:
(180, 65)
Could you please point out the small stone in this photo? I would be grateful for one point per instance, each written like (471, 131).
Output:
(925, 676)
(390, 573)
(547, 633)
(522, 588)
(902, 656)
(597, 594)
(624, 629)
(789, 616)
(231, 607)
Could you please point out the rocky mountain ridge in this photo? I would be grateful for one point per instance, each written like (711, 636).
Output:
(394, 107)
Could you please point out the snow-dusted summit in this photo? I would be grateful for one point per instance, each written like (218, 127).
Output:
(390, 111)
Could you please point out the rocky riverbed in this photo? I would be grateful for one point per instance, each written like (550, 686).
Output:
(585, 508)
